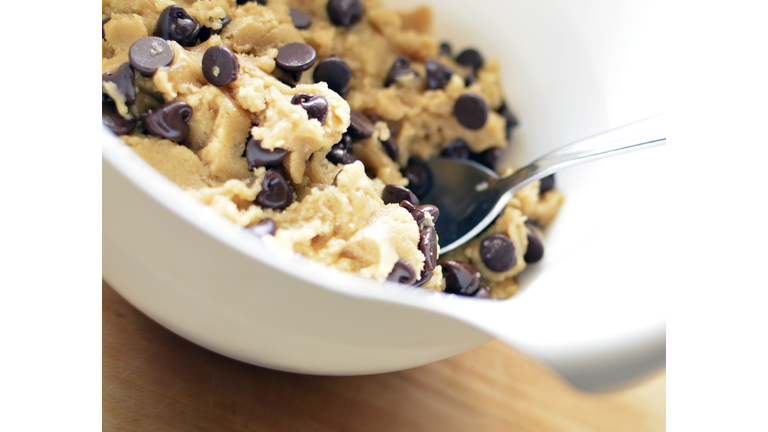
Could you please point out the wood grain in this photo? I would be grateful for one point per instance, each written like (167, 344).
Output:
(153, 379)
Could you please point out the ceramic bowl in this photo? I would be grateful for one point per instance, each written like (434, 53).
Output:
(593, 308)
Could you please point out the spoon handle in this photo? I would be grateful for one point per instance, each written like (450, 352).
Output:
(647, 133)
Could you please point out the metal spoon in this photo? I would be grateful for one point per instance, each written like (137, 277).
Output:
(470, 196)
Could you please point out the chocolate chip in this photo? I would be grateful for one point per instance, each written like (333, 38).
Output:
(261, 2)
(469, 80)
(401, 66)
(425, 277)
(345, 12)
(275, 193)
(457, 149)
(300, 19)
(547, 184)
(169, 121)
(267, 226)
(498, 253)
(471, 111)
(445, 49)
(360, 126)
(393, 194)
(174, 23)
(315, 105)
(390, 147)
(419, 211)
(428, 246)
(335, 72)
(438, 74)
(114, 121)
(124, 80)
(470, 57)
(460, 278)
(257, 156)
(535, 250)
(220, 65)
(149, 54)
(402, 273)
(419, 176)
(207, 32)
(509, 117)
(489, 157)
(295, 57)
(342, 152)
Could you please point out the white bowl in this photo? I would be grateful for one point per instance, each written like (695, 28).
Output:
(593, 308)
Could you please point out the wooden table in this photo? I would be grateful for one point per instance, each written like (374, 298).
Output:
(153, 379)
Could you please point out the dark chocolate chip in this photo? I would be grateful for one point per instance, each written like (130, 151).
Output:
(425, 277)
(457, 149)
(275, 193)
(315, 105)
(220, 65)
(114, 121)
(335, 72)
(295, 57)
(438, 74)
(104, 21)
(345, 12)
(471, 111)
(547, 184)
(469, 80)
(445, 49)
(470, 57)
(390, 147)
(489, 157)
(401, 66)
(394, 194)
(360, 126)
(257, 156)
(267, 226)
(174, 23)
(394, 127)
(460, 278)
(535, 250)
(419, 176)
(261, 2)
(371, 114)
(207, 32)
(428, 246)
(300, 19)
(498, 253)
(124, 80)
(169, 121)
(342, 152)
(509, 117)
(402, 273)
(149, 54)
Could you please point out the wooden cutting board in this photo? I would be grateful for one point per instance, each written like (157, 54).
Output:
(153, 379)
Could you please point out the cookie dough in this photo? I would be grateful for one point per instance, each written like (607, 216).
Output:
(297, 115)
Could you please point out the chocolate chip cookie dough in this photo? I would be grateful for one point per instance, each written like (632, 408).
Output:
(307, 122)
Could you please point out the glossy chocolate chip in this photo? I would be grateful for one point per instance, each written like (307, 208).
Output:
(394, 194)
(402, 273)
(174, 23)
(266, 226)
(535, 251)
(342, 152)
(498, 253)
(295, 57)
(114, 121)
(169, 121)
(261, 2)
(149, 54)
(489, 157)
(275, 193)
(470, 57)
(438, 74)
(471, 111)
(333, 71)
(345, 13)
(258, 156)
(401, 66)
(220, 65)
(360, 126)
(419, 212)
(460, 278)
(428, 246)
(124, 80)
(315, 105)
(419, 176)
(509, 117)
(300, 19)
(207, 32)
(425, 277)
(445, 49)
(457, 149)
(547, 184)
(390, 147)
